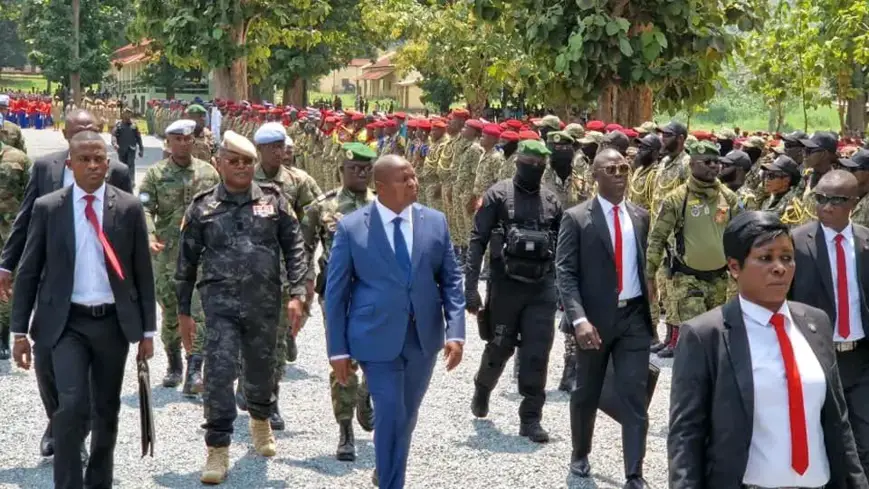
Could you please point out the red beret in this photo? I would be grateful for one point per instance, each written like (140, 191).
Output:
(257, 107)
(510, 136)
(276, 111)
(475, 124)
(263, 111)
(513, 124)
(491, 130)
(460, 113)
(371, 126)
(438, 123)
(357, 117)
(524, 135)
(595, 126)
(702, 135)
(412, 124)
(400, 115)
(390, 123)
(613, 127)
(330, 120)
(424, 125)
(630, 133)
(378, 125)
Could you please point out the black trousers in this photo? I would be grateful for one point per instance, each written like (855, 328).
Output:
(91, 352)
(526, 311)
(128, 157)
(854, 371)
(627, 345)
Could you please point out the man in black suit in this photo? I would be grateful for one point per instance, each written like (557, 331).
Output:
(755, 397)
(600, 265)
(834, 252)
(86, 268)
(47, 175)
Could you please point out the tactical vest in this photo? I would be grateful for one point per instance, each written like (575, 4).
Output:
(528, 246)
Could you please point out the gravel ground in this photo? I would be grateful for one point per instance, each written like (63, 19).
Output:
(450, 448)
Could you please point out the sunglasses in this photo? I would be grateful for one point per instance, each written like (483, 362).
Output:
(822, 199)
(619, 170)
(359, 168)
(772, 175)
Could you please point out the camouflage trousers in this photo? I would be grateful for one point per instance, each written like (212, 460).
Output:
(253, 335)
(570, 346)
(692, 297)
(344, 396)
(166, 296)
(284, 336)
(663, 284)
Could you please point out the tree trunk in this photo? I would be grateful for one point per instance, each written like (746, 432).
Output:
(856, 118)
(262, 91)
(230, 82)
(296, 93)
(477, 102)
(170, 91)
(629, 107)
(75, 77)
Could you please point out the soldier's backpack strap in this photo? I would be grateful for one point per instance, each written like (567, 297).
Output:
(510, 201)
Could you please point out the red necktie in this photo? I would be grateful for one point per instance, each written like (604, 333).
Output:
(107, 247)
(617, 246)
(843, 313)
(796, 408)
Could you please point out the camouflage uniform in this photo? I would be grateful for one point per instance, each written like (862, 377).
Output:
(446, 175)
(238, 241)
(14, 173)
(805, 205)
(464, 165)
(860, 214)
(203, 145)
(707, 210)
(784, 206)
(10, 134)
(642, 188)
(165, 193)
(319, 226)
(569, 191)
(430, 177)
(487, 171)
(508, 169)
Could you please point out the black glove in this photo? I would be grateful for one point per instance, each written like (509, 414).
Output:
(473, 302)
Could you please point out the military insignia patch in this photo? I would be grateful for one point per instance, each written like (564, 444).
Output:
(349, 154)
(263, 210)
(144, 197)
(556, 138)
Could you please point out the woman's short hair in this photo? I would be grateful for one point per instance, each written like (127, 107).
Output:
(751, 229)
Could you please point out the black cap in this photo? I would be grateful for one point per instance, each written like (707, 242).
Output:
(848, 163)
(795, 137)
(783, 163)
(651, 141)
(737, 158)
(822, 139)
(616, 139)
(675, 127)
(861, 158)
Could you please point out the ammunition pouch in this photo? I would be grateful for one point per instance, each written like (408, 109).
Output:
(528, 247)
(320, 282)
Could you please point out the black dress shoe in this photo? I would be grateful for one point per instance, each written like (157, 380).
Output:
(480, 402)
(374, 479)
(46, 445)
(636, 483)
(534, 432)
(580, 467)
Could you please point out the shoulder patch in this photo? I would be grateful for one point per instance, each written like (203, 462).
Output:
(202, 194)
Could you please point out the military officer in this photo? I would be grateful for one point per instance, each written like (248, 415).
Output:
(781, 179)
(318, 227)
(860, 214)
(688, 228)
(10, 133)
(490, 163)
(14, 173)
(642, 188)
(166, 191)
(465, 163)
(433, 185)
(820, 155)
(203, 145)
(237, 233)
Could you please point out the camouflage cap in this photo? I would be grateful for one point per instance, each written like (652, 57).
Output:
(358, 152)
(196, 109)
(591, 137)
(700, 148)
(551, 121)
(754, 142)
(726, 134)
(559, 137)
(647, 127)
(533, 148)
(575, 130)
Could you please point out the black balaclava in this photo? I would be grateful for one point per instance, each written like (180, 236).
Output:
(726, 146)
(509, 148)
(528, 176)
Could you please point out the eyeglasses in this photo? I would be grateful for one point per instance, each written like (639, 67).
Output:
(239, 162)
(358, 168)
(772, 175)
(822, 199)
(714, 160)
(814, 150)
(619, 170)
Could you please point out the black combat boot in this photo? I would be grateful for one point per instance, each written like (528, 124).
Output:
(240, 400)
(175, 370)
(346, 442)
(194, 367)
(364, 410)
(480, 401)
(276, 420)
(568, 375)
(534, 432)
(292, 349)
(670, 350)
(4, 343)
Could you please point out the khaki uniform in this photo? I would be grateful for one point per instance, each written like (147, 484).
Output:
(569, 191)
(487, 171)
(14, 174)
(446, 175)
(464, 164)
(642, 189)
(430, 178)
(10, 134)
(203, 145)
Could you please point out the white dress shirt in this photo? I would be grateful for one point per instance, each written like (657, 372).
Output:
(855, 316)
(631, 287)
(769, 454)
(68, 177)
(90, 285)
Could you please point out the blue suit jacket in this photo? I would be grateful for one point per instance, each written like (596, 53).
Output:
(368, 298)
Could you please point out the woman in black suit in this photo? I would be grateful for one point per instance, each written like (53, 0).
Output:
(756, 400)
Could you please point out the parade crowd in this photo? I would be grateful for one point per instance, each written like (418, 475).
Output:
(256, 211)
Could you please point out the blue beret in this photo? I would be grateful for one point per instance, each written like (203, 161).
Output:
(270, 132)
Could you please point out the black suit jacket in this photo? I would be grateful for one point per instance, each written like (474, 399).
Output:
(586, 268)
(712, 401)
(813, 268)
(45, 274)
(46, 176)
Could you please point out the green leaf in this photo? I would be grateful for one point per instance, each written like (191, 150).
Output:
(625, 47)
(661, 38)
(612, 28)
(585, 4)
(624, 24)
(217, 33)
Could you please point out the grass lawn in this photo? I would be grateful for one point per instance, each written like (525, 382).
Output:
(22, 82)
(820, 119)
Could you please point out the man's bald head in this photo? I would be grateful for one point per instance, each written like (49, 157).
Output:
(395, 182)
(838, 182)
(607, 156)
(77, 121)
(386, 165)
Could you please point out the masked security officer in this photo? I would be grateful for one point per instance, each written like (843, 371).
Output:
(518, 221)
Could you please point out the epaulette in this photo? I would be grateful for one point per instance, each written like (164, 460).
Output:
(327, 195)
(202, 194)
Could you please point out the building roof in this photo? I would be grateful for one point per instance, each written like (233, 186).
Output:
(412, 78)
(359, 62)
(376, 74)
(381, 62)
(131, 53)
(130, 59)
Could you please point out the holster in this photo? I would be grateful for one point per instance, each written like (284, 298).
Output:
(484, 320)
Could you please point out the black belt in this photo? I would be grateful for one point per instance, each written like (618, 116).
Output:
(97, 311)
(750, 486)
(634, 301)
(848, 346)
(704, 275)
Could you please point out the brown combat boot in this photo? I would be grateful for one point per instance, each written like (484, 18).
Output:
(216, 466)
(263, 439)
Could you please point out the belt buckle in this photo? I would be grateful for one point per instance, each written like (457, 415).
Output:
(98, 311)
(623, 304)
(846, 346)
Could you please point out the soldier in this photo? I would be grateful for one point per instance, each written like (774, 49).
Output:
(319, 226)
(754, 147)
(616, 140)
(394, 143)
(688, 227)
(10, 133)
(465, 162)
(860, 169)
(236, 232)
(14, 173)
(166, 191)
(433, 185)
(508, 142)
(781, 179)
(820, 155)
(446, 169)
(642, 188)
(125, 139)
(726, 139)
(203, 145)
(490, 164)
(271, 141)
(793, 147)
(735, 168)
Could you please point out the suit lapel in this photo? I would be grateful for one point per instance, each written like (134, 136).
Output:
(736, 342)
(418, 226)
(109, 209)
(57, 172)
(861, 247)
(818, 250)
(69, 222)
(639, 231)
(818, 345)
(377, 239)
(598, 219)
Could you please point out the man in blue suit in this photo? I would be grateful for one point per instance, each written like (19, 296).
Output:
(393, 296)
